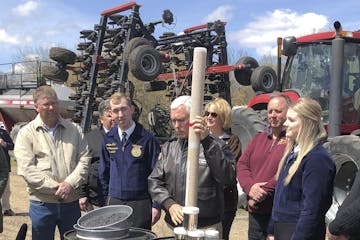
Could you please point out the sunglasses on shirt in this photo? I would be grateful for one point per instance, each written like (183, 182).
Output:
(212, 114)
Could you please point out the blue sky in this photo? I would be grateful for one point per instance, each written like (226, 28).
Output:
(253, 25)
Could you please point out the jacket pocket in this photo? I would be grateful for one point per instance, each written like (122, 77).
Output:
(44, 165)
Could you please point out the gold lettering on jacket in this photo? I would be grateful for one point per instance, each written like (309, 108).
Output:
(111, 147)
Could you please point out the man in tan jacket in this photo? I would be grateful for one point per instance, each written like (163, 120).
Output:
(53, 157)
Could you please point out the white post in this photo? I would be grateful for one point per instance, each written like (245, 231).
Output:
(197, 99)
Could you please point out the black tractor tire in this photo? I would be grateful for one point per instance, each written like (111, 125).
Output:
(55, 74)
(263, 115)
(62, 55)
(243, 76)
(15, 130)
(160, 122)
(145, 63)
(246, 122)
(132, 44)
(155, 86)
(345, 150)
(263, 79)
(137, 111)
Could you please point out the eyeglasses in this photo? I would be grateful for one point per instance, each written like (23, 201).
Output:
(47, 105)
(212, 114)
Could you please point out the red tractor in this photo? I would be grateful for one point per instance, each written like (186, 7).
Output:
(326, 67)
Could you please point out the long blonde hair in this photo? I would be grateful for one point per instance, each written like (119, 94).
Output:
(310, 133)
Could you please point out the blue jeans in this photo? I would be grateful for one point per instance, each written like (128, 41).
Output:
(46, 216)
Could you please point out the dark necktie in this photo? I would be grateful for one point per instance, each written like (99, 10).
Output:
(123, 140)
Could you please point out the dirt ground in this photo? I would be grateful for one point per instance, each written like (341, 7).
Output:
(19, 201)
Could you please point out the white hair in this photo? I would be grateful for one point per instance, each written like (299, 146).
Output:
(182, 100)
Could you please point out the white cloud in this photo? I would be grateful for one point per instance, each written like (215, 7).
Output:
(262, 33)
(6, 38)
(25, 9)
(28, 39)
(223, 13)
(45, 25)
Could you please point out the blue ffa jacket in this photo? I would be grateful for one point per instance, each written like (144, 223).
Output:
(308, 196)
(123, 170)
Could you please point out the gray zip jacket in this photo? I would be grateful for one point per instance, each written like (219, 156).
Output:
(167, 182)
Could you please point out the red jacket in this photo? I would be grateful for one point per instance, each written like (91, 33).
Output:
(259, 163)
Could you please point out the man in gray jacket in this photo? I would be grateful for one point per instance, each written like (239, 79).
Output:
(216, 167)
(52, 155)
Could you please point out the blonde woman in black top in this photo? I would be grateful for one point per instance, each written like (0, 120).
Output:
(218, 116)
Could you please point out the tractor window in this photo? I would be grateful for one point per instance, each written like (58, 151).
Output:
(351, 85)
(352, 69)
(309, 73)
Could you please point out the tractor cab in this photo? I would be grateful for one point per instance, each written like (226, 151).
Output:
(308, 72)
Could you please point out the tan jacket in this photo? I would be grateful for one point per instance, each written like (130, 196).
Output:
(44, 162)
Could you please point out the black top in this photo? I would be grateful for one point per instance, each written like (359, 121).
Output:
(347, 219)
(9, 145)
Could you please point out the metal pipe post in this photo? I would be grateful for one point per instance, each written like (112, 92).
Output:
(336, 82)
